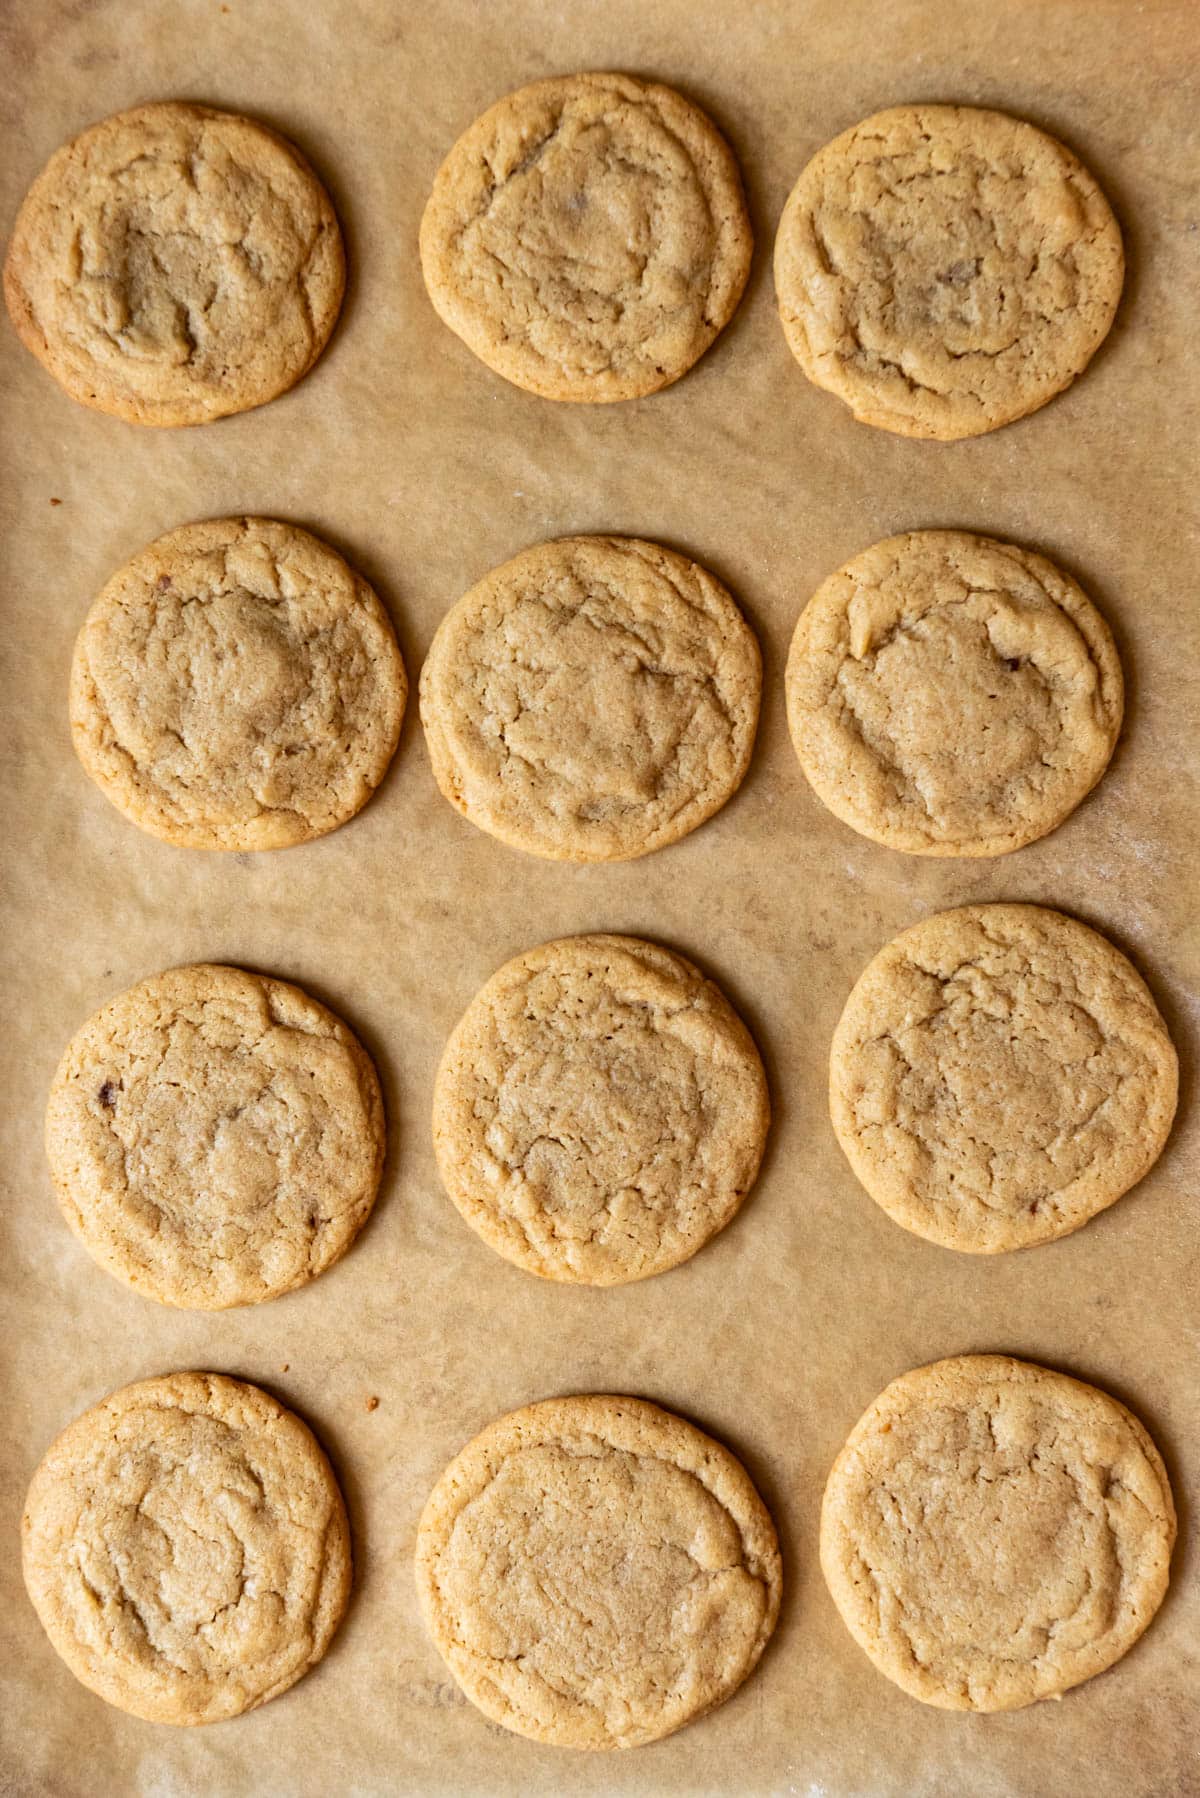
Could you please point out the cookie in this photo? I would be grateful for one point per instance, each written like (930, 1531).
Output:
(173, 264)
(237, 686)
(593, 699)
(951, 695)
(994, 1533)
(999, 1075)
(216, 1138)
(600, 1111)
(945, 270)
(186, 1548)
(596, 1572)
(587, 237)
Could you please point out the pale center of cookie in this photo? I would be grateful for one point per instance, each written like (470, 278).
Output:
(1000, 1080)
(974, 255)
(958, 720)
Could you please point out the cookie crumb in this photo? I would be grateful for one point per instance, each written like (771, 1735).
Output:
(284, 1367)
(372, 1403)
(56, 502)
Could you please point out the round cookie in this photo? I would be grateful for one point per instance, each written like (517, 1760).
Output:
(186, 1548)
(994, 1533)
(592, 700)
(600, 1111)
(173, 264)
(587, 237)
(596, 1572)
(999, 1075)
(216, 1138)
(951, 695)
(237, 686)
(945, 270)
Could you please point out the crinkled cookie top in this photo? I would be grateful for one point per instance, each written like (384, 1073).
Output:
(592, 700)
(951, 695)
(1000, 1074)
(186, 1548)
(945, 270)
(600, 1111)
(173, 264)
(597, 1572)
(216, 1137)
(994, 1533)
(587, 237)
(237, 686)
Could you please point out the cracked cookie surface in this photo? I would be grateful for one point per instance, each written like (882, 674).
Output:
(593, 699)
(600, 1110)
(945, 270)
(994, 1533)
(173, 264)
(1000, 1074)
(237, 686)
(597, 1572)
(216, 1138)
(587, 237)
(186, 1548)
(952, 695)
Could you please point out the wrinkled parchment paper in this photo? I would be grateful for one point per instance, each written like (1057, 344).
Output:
(426, 471)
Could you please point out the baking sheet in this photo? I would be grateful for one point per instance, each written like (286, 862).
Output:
(427, 471)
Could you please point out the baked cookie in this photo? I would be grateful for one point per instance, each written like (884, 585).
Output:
(593, 699)
(945, 270)
(951, 695)
(587, 237)
(600, 1111)
(999, 1075)
(216, 1138)
(994, 1533)
(173, 264)
(186, 1548)
(237, 686)
(596, 1572)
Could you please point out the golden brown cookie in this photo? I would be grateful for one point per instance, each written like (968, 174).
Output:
(237, 686)
(994, 1533)
(216, 1138)
(945, 270)
(999, 1075)
(596, 1572)
(587, 237)
(951, 695)
(173, 264)
(593, 699)
(600, 1111)
(186, 1548)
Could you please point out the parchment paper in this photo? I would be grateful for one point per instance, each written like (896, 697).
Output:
(426, 471)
